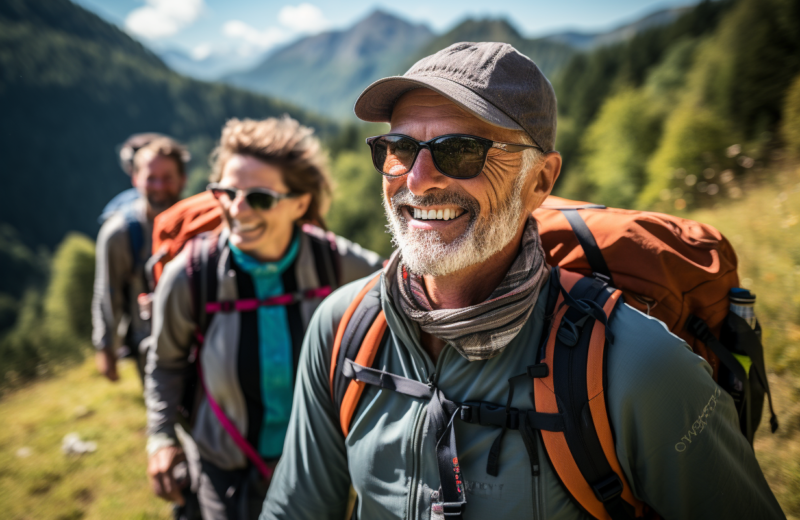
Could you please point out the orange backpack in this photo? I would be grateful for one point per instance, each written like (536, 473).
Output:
(173, 228)
(674, 269)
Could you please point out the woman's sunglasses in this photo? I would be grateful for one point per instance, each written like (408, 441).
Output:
(457, 156)
(257, 198)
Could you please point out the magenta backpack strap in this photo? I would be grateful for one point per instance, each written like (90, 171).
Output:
(227, 424)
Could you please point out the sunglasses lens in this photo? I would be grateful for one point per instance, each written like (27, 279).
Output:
(260, 200)
(393, 155)
(459, 157)
(223, 194)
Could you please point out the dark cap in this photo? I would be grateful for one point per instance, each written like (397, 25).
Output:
(492, 81)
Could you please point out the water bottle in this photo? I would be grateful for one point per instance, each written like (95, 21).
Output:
(742, 303)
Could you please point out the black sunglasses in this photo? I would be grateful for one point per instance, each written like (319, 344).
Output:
(257, 198)
(458, 156)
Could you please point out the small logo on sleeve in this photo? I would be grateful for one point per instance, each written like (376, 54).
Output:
(700, 424)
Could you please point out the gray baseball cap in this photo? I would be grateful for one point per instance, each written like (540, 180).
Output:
(491, 80)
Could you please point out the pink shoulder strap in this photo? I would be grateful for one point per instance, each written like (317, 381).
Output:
(227, 424)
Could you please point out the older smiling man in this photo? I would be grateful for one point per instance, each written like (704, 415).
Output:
(469, 157)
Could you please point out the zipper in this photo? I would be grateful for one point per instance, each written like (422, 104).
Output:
(416, 445)
(416, 452)
(536, 467)
(538, 511)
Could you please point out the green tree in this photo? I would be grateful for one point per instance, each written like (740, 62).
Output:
(692, 149)
(357, 208)
(67, 303)
(791, 117)
(55, 327)
(22, 349)
(617, 145)
(613, 151)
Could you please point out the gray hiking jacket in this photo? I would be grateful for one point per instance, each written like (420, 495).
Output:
(169, 345)
(658, 394)
(115, 311)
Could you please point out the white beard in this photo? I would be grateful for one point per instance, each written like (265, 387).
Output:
(426, 254)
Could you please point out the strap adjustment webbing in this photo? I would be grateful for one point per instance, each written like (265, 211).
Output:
(608, 488)
(442, 413)
(381, 379)
(251, 304)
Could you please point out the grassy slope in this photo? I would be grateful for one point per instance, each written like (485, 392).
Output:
(765, 230)
(111, 483)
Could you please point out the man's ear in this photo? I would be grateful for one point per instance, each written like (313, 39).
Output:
(544, 180)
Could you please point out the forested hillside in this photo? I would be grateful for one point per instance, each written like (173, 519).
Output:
(72, 88)
(681, 115)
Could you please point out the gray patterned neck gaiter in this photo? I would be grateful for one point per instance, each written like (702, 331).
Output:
(479, 331)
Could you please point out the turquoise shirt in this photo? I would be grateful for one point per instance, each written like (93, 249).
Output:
(274, 347)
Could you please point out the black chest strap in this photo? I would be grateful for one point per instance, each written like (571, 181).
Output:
(442, 414)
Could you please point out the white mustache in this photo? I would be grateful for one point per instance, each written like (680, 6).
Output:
(404, 197)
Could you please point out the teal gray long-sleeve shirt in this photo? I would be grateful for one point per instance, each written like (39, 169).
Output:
(657, 391)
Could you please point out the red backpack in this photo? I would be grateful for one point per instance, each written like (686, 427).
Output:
(675, 269)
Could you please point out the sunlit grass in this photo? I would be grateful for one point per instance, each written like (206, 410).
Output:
(109, 483)
(764, 228)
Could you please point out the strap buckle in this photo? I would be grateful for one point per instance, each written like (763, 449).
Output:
(608, 489)
(602, 277)
(226, 305)
(490, 414)
(539, 370)
(452, 508)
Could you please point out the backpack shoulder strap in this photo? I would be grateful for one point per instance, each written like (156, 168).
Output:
(135, 237)
(583, 455)
(326, 257)
(359, 337)
(587, 241)
(201, 268)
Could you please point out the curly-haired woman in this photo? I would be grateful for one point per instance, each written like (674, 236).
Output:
(261, 279)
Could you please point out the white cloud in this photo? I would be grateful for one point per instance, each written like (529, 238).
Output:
(303, 18)
(261, 40)
(162, 18)
(201, 52)
(293, 20)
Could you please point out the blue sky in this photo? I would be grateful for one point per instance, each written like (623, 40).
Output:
(201, 27)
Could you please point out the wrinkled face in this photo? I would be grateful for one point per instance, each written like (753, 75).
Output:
(159, 180)
(254, 231)
(443, 225)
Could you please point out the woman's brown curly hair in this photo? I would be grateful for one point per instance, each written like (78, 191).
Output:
(287, 145)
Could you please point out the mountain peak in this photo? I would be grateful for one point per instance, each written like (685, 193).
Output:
(380, 18)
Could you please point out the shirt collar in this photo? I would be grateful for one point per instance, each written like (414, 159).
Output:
(255, 268)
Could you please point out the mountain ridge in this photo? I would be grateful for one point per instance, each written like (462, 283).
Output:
(326, 72)
(322, 71)
(588, 40)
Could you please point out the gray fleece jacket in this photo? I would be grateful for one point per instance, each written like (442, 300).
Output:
(657, 389)
(115, 311)
(169, 345)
